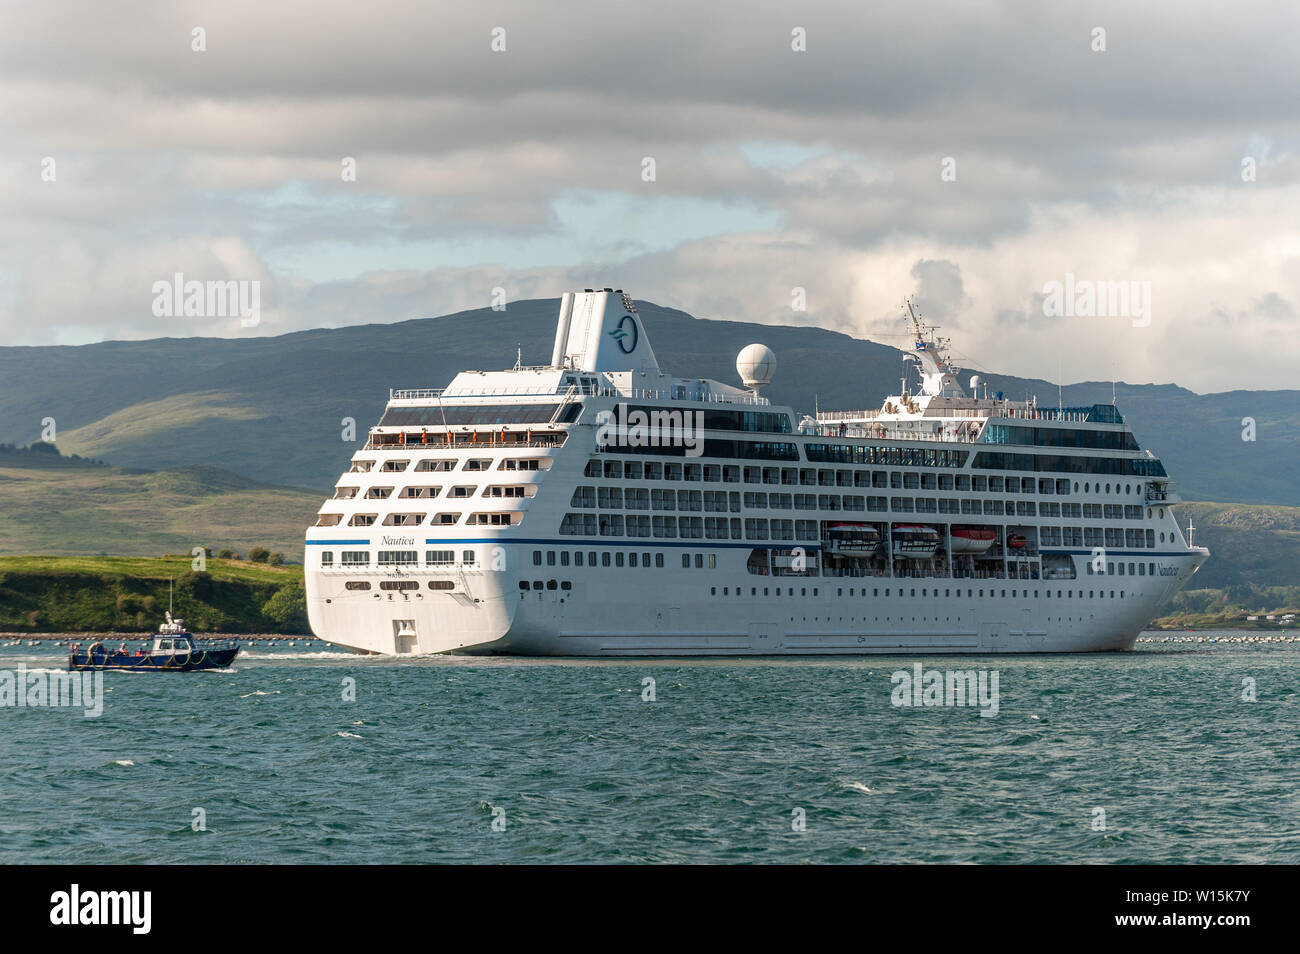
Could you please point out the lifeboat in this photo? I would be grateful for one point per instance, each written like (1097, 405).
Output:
(853, 539)
(969, 540)
(915, 542)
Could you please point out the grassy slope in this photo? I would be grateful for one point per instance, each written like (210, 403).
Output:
(125, 594)
(90, 510)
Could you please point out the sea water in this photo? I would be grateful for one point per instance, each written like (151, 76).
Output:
(1181, 751)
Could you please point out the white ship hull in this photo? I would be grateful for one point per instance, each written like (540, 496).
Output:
(680, 616)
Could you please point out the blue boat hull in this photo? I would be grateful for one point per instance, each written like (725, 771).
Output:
(154, 662)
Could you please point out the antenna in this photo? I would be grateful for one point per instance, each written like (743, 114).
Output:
(1060, 390)
(519, 357)
(1191, 530)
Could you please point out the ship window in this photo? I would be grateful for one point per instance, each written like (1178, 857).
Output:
(357, 585)
(327, 558)
(618, 558)
(399, 585)
(537, 558)
(591, 557)
(395, 466)
(713, 561)
(566, 585)
(356, 557)
(537, 584)
(398, 557)
(550, 558)
(686, 561)
(551, 584)
(604, 559)
(577, 558)
(631, 559)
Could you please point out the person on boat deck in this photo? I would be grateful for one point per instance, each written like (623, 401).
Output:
(424, 435)
(120, 651)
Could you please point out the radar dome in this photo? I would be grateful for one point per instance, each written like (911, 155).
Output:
(974, 381)
(756, 364)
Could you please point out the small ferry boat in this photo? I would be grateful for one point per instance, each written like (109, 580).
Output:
(173, 650)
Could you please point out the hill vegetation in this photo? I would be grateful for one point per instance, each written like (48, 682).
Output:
(58, 505)
(129, 595)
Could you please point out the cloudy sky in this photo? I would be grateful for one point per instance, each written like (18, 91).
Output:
(967, 154)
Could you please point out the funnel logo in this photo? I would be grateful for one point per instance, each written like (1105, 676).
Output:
(626, 334)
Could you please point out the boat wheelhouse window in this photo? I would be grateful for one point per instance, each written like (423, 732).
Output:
(592, 469)
(357, 585)
(355, 558)
(442, 557)
(479, 414)
(398, 557)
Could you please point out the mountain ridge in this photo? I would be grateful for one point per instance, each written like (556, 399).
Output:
(283, 400)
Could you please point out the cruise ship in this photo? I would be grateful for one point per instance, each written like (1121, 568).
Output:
(599, 506)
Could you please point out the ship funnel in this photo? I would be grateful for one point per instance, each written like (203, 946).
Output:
(601, 331)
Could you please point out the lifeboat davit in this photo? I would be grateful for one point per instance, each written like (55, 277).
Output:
(915, 542)
(972, 539)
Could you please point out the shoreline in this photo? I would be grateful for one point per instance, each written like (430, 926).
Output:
(136, 637)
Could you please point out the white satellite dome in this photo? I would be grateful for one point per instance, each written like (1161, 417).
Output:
(974, 381)
(756, 364)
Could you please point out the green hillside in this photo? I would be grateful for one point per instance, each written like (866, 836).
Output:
(270, 409)
(129, 595)
(53, 505)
